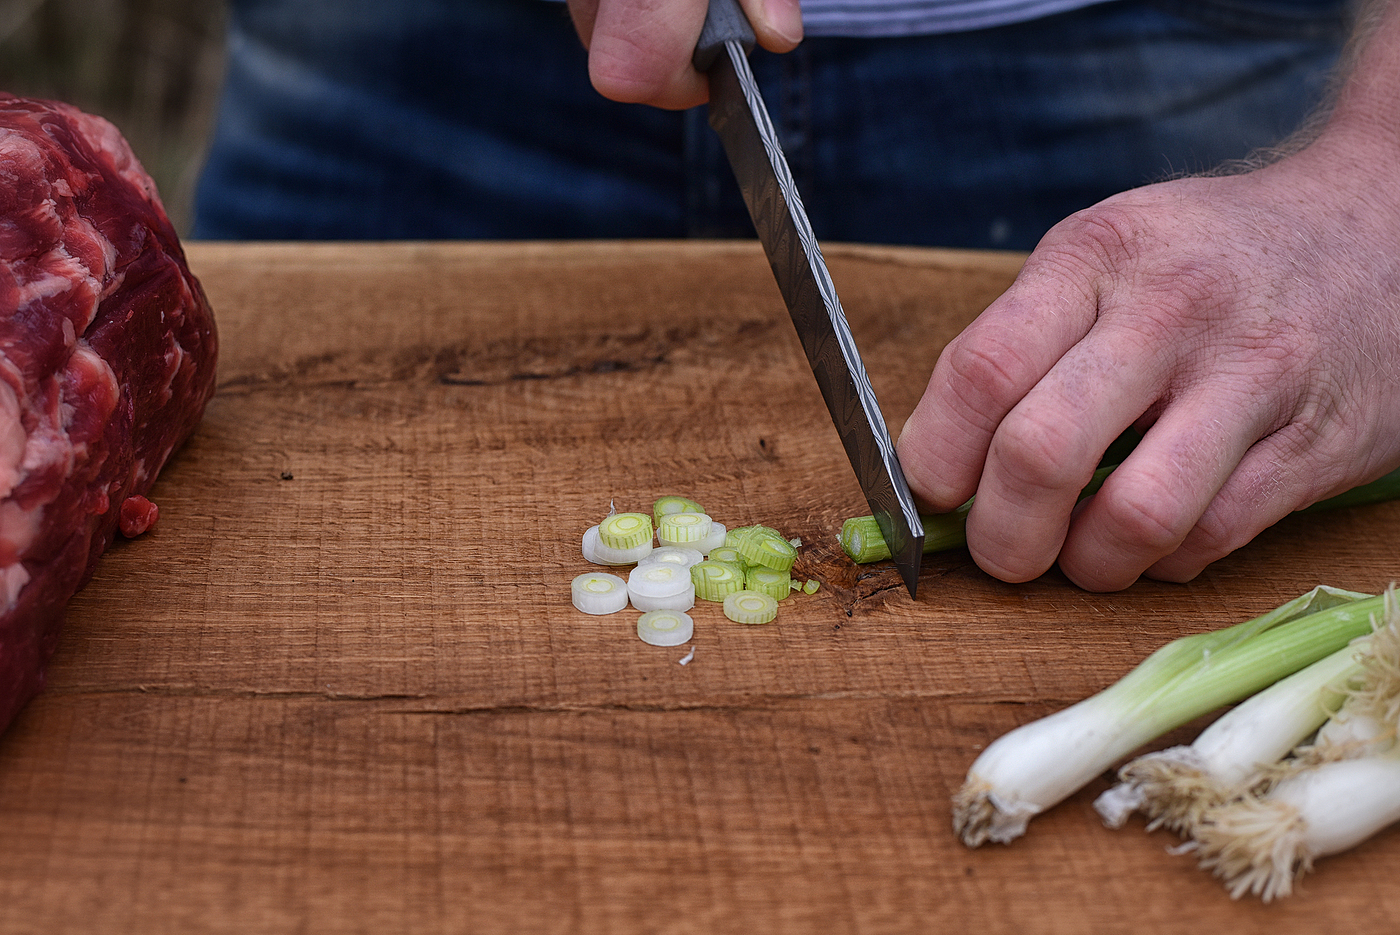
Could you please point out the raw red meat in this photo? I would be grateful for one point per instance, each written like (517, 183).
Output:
(107, 353)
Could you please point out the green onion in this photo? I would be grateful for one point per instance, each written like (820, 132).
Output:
(1041, 763)
(675, 555)
(597, 592)
(625, 530)
(599, 554)
(768, 550)
(683, 528)
(727, 553)
(1176, 786)
(664, 506)
(1330, 797)
(776, 584)
(1384, 488)
(714, 581)
(665, 627)
(750, 607)
(864, 543)
(811, 586)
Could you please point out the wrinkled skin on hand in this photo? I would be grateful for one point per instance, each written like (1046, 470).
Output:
(1249, 324)
(639, 50)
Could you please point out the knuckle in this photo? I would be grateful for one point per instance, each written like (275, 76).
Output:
(1041, 450)
(1150, 517)
(989, 370)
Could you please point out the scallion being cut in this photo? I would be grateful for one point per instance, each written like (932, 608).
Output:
(1039, 764)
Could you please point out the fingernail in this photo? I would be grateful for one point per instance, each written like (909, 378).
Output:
(784, 19)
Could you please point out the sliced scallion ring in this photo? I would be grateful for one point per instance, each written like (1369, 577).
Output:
(665, 627)
(715, 540)
(657, 579)
(684, 528)
(726, 553)
(597, 592)
(664, 506)
(776, 584)
(715, 580)
(594, 551)
(750, 607)
(681, 600)
(676, 555)
(768, 551)
(625, 530)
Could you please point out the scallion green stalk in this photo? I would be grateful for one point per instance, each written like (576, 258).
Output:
(1039, 764)
(863, 542)
(1176, 786)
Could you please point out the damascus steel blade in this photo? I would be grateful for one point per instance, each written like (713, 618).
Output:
(738, 115)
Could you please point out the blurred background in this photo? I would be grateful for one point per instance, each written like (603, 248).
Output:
(152, 67)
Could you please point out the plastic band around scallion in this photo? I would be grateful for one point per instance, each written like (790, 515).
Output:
(625, 530)
(714, 581)
(776, 584)
(750, 607)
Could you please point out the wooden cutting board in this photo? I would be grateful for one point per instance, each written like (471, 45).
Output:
(341, 688)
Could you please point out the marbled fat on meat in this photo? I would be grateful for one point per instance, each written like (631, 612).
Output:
(107, 353)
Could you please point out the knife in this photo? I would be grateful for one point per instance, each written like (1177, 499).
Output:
(738, 115)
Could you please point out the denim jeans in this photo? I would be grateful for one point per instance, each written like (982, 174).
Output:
(356, 119)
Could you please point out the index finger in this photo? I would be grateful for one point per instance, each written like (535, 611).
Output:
(988, 369)
(639, 51)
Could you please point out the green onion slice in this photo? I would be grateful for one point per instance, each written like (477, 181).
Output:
(594, 551)
(597, 592)
(770, 551)
(714, 581)
(684, 528)
(776, 584)
(665, 627)
(665, 506)
(657, 579)
(625, 530)
(726, 553)
(750, 607)
(683, 599)
(675, 555)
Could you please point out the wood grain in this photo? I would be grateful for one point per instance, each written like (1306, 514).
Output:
(340, 687)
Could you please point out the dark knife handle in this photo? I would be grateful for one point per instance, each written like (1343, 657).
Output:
(724, 22)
